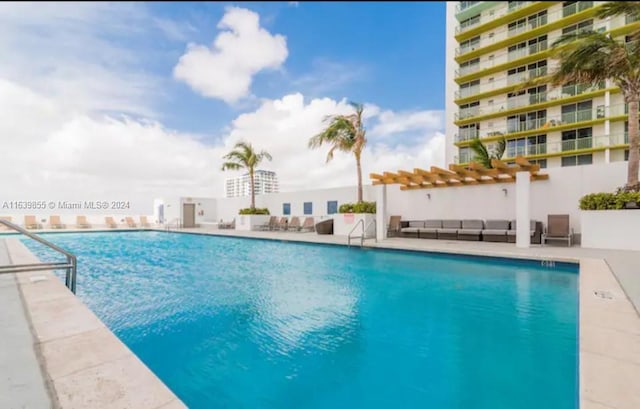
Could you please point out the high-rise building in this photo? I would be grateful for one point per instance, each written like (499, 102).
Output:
(494, 50)
(265, 182)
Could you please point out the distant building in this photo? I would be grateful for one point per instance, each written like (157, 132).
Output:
(266, 181)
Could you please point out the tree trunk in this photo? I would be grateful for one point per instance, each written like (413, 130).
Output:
(253, 192)
(634, 155)
(359, 177)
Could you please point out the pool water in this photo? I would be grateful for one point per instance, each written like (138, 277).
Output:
(241, 323)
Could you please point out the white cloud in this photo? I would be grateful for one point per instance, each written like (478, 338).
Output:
(225, 71)
(390, 123)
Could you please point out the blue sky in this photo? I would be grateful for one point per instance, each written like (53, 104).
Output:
(145, 98)
(384, 52)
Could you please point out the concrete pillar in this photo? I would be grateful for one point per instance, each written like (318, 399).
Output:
(381, 212)
(523, 216)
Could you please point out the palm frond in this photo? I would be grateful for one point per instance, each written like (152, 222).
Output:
(619, 8)
(231, 166)
(481, 153)
(501, 148)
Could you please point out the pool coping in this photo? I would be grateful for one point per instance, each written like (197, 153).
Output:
(609, 325)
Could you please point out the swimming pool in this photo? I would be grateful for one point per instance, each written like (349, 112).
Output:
(241, 323)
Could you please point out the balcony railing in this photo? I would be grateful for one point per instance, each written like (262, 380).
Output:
(463, 5)
(501, 82)
(577, 144)
(467, 134)
(576, 8)
(558, 94)
(487, 17)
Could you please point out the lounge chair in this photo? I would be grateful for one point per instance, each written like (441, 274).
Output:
(282, 224)
(81, 222)
(31, 223)
(393, 229)
(449, 230)
(535, 229)
(130, 222)
(558, 228)
(294, 225)
(413, 228)
(308, 224)
(270, 225)
(110, 223)
(229, 225)
(325, 227)
(7, 218)
(431, 228)
(144, 223)
(471, 230)
(55, 223)
(495, 231)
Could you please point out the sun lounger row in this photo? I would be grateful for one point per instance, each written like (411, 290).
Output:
(284, 224)
(55, 222)
(473, 230)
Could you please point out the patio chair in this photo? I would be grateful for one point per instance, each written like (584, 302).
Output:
(393, 229)
(130, 222)
(308, 225)
(558, 228)
(471, 230)
(229, 225)
(81, 222)
(144, 223)
(294, 225)
(495, 231)
(283, 224)
(110, 222)
(55, 223)
(325, 227)
(31, 223)
(413, 229)
(270, 225)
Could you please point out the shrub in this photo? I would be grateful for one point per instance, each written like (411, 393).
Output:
(254, 211)
(364, 207)
(608, 201)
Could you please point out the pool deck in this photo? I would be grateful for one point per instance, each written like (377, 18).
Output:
(86, 366)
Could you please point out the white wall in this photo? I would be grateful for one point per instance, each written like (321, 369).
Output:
(611, 229)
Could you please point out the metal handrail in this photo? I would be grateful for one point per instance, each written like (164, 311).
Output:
(177, 221)
(366, 229)
(361, 221)
(71, 265)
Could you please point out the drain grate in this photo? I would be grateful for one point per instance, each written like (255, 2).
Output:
(603, 294)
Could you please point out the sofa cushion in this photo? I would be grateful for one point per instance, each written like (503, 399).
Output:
(448, 231)
(472, 224)
(429, 230)
(513, 232)
(470, 231)
(451, 224)
(495, 232)
(416, 223)
(434, 224)
(410, 229)
(497, 224)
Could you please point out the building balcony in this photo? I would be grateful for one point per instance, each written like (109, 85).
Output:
(541, 99)
(486, 18)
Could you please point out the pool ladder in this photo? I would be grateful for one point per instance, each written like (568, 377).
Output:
(176, 223)
(363, 232)
(70, 265)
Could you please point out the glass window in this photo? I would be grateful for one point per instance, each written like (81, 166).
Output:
(308, 207)
(332, 207)
(286, 209)
(577, 160)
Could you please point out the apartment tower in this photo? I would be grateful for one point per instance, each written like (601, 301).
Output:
(494, 51)
(265, 182)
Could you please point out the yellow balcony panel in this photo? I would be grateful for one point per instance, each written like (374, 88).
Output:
(537, 131)
(490, 22)
(528, 34)
(502, 67)
(626, 29)
(532, 107)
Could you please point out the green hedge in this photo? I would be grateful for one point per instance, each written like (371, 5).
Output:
(608, 201)
(254, 211)
(364, 207)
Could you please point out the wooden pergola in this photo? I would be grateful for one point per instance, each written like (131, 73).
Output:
(459, 175)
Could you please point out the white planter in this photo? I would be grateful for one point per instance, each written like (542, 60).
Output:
(248, 222)
(610, 229)
(344, 223)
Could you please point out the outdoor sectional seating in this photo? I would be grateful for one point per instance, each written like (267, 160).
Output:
(535, 229)
(471, 230)
(449, 230)
(495, 230)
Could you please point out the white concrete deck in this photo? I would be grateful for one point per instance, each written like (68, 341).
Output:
(609, 327)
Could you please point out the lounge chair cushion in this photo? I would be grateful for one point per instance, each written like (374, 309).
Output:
(495, 232)
(416, 224)
(513, 232)
(451, 224)
(472, 224)
(433, 224)
(469, 231)
(410, 229)
(429, 230)
(497, 225)
(448, 231)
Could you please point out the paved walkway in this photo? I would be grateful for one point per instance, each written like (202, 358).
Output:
(21, 381)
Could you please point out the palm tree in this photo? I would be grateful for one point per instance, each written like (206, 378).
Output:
(345, 133)
(243, 156)
(590, 58)
(482, 154)
(620, 8)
